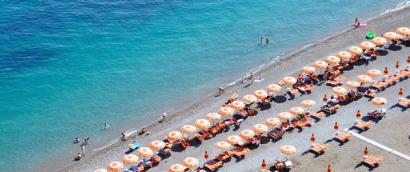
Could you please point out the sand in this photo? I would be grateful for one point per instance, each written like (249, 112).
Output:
(342, 158)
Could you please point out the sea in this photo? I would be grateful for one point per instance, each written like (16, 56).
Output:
(68, 67)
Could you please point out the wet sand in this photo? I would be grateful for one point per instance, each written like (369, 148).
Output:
(341, 158)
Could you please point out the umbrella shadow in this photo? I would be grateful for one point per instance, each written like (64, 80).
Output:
(394, 47)
(280, 99)
(381, 52)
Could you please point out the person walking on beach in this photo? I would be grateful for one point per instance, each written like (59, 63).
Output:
(163, 116)
(220, 91)
(123, 137)
(82, 149)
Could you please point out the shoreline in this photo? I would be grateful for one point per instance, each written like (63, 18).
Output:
(229, 88)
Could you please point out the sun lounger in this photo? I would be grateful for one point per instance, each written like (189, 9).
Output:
(239, 152)
(372, 160)
(213, 165)
(318, 115)
(293, 91)
(225, 156)
(376, 114)
(404, 102)
(134, 146)
(319, 148)
(363, 125)
(343, 137)
(232, 98)
(276, 134)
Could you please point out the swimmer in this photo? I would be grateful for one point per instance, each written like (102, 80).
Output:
(76, 140)
(106, 125)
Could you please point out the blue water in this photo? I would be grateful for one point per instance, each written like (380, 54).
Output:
(67, 67)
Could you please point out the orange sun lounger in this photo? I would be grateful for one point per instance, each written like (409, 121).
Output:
(372, 160)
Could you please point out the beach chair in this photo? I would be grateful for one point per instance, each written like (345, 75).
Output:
(377, 114)
(240, 152)
(363, 125)
(319, 148)
(232, 98)
(293, 91)
(343, 137)
(318, 115)
(213, 165)
(372, 161)
(404, 102)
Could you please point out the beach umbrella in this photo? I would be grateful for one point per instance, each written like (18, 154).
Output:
(202, 124)
(405, 31)
(374, 73)
(237, 105)
(115, 166)
(130, 159)
(249, 99)
(100, 170)
(336, 126)
(247, 134)
(174, 136)
(206, 155)
(272, 122)
(176, 168)
(287, 149)
(222, 145)
(366, 151)
(234, 139)
(325, 99)
(329, 169)
(333, 60)
(366, 45)
(226, 111)
(308, 69)
(355, 50)
(379, 41)
(397, 65)
(358, 114)
(352, 84)
(284, 116)
(289, 80)
(145, 152)
(340, 91)
(213, 116)
(364, 78)
(320, 64)
(296, 110)
(344, 55)
(379, 101)
(401, 93)
(157, 145)
(191, 162)
(263, 164)
(261, 94)
(188, 129)
(274, 88)
(313, 138)
(390, 35)
(260, 128)
(308, 103)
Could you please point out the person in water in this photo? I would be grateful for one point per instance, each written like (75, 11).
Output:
(267, 40)
(76, 140)
(123, 137)
(356, 22)
(106, 125)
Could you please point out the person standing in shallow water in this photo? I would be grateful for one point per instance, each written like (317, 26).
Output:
(267, 40)
(261, 40)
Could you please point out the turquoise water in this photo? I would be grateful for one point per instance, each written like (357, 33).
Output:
(68, 67)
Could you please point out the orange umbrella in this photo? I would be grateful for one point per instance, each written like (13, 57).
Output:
(202, 124)
(401, 93)
(320, 64)
(250, 99)
(260, 128)
(223, 145)
(313, 138)
(296, 110)
(287, 149)
(405, 31)
(289, 80)
(115, 166)
(174, 136)
(339, 91)
(274, 88)
(358, 114)
(190, 162)
(226, 111)
(261, 94)
(308, 69)
(145, 152)
(188, 129)
(364, 78)
(234, 139)
(397, 65)
(390, 35)
(366, 151)
(379, 41)
(329, 169)
(284, 116)
(336, 126)
(367, 45)
(356, 50)
(333, 60)
(206, 155)
(308, 103)
(157, 145)
(247, 134)
(386, 71)
(272, 122)
(374, 73)
(379, 101)
(213, 116)
(325, 99)
(130, 159)
(100, 170)
(344, 55)
(237, 105)
(263, 164)
(176, 168)
(352, 84)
